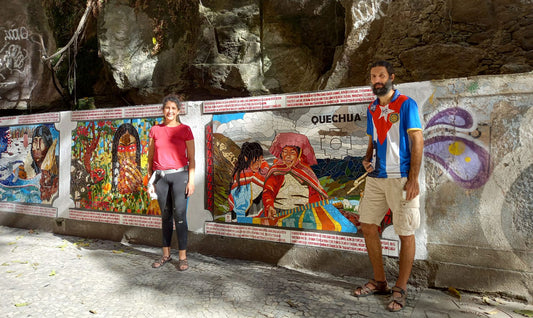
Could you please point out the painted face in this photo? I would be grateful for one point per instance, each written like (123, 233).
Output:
(170, 111)
(38, 149)
(256, 164)
(127, 148)
(289, 155)
(381, 81)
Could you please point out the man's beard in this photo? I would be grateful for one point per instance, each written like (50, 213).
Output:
(381, 91)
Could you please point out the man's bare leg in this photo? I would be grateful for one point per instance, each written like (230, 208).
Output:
(407, 256)
(373, 247)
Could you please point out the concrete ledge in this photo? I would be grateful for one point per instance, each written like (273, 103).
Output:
(514, 284)
(514, 260)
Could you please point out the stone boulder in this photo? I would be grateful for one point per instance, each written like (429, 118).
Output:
(215, 49)
(25, 81)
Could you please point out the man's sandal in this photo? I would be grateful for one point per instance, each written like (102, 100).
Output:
(183, 265)
(162, 261)
(380, 288)
(400, 300)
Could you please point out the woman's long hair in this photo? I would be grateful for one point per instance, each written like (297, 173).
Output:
(43, 132)
(123, 129)
(250, 151)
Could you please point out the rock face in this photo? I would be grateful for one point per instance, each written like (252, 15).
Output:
(125, 39)
(217, 49)
(24, 80)
(445, 39)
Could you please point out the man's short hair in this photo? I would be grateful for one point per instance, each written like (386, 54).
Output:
(385, 64)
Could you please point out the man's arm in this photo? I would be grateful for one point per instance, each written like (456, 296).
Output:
(367, 160)
(412, 186)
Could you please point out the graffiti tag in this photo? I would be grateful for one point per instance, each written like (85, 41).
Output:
(16, 34)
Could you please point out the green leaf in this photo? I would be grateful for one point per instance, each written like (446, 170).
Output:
(62, 247)
(53, 273)
(21, 304)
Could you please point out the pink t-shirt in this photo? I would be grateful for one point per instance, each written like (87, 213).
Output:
(170, 149)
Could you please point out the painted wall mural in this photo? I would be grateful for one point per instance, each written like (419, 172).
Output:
(29, 171)
(452, 141)
(321, 154)
(300, 168)
(109, 160)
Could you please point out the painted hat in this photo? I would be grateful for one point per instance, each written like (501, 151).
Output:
(296, 140)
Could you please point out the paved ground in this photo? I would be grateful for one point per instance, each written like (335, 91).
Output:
(46, 275)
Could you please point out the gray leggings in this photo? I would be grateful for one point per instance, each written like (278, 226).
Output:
(172, 199)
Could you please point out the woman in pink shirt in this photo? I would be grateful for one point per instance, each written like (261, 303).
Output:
(171, 159)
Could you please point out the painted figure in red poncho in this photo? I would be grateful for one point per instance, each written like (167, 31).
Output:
(291, 182)
(246, 188)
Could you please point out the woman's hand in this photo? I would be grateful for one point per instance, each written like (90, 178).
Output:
(190, 189)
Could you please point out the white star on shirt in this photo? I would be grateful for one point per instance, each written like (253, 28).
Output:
(385, 111)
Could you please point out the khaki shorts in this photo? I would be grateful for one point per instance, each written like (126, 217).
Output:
(384, 193)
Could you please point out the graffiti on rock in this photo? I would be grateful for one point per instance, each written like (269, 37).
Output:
(15, 66)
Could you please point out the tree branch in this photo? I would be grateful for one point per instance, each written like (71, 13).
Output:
(75, 36)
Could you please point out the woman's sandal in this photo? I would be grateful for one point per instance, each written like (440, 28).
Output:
(162, 261)
(381, 288)
(183, 265)
(400, 300)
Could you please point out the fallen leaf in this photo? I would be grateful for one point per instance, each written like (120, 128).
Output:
(454, 292)
(21, 304)
(118, 252)
(11, 243)
(526, 313)
(19, 237)
(62, 247)
(492, 312)
(292, 304)
(53, 273)
(82, 244)
(92, 311)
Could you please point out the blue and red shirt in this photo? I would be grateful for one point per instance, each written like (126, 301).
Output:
(388, 126)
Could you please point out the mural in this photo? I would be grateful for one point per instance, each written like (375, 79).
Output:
(300, 168)
(452, 142)
(29, 170)
(109, 160)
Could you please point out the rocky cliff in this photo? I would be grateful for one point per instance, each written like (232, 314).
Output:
(134, 52)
